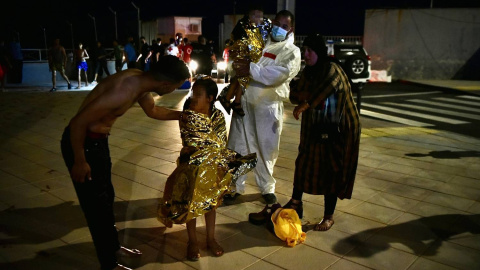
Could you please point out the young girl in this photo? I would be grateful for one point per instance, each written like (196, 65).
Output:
(247, 42)
(206, 169)
(81, 56)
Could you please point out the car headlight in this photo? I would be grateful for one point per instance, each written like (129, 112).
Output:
(221, 65)
(193, 65)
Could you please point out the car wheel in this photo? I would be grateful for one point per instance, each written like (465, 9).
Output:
(357, 67)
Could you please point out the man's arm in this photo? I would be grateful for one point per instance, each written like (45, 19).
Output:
(64, 57)
(148, 57)
(156, 112)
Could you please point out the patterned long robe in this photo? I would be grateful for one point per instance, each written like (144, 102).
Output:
(327, 168)
(206, 169)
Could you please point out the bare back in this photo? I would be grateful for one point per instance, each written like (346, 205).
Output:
(112, 98)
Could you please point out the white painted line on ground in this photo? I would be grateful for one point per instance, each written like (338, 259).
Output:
(419, 115)
(446, 105)
(428, 109)
(458, 101)
(470, 97)
(393, 118)
(402, 95)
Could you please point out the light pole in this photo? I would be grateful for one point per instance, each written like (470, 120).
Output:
(45, 39)
(115, 14)
(138, 17)
(94, 26)
(71, 33)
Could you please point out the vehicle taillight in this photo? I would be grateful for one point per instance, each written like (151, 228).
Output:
(368, 57)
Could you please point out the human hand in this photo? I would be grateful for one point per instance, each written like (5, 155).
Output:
(241, 67)
(80, 171)
(300, 109)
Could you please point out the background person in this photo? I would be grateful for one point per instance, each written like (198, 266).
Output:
(81, 56)
(119, 55)
(100, 61)
(157, 50)
(16, 73)
(324, 98)
(5, 64)
(57, 61)
(130, 53)
(145, 53)
(187, 51)
(172, 48)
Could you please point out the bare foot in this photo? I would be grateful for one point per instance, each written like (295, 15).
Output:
(129, 253)
(324, 225)
(215, 248)
(121, 267)
(193, 253)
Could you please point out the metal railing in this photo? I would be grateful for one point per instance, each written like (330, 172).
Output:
(41, 55)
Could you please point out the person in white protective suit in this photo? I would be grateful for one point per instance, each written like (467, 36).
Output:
(259, 130)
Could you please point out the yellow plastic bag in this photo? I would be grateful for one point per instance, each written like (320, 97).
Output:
(287, 226)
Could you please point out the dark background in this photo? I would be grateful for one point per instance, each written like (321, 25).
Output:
(28, 19)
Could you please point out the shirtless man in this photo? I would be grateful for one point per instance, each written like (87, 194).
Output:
(57, 60)
(81, 56)
(85, 145)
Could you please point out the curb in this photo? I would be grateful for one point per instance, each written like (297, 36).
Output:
(445, 89)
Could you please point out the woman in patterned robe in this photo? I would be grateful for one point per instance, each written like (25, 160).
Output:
(330, 132)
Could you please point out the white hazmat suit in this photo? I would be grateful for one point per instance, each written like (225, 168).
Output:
(260, 129)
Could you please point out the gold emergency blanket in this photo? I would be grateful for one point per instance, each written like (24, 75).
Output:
(249, 46)
(206, 169)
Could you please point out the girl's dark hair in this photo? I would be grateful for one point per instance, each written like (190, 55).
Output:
(170, 68)
(210, 87)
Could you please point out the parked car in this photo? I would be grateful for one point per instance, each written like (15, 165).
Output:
(355, 62)
(354, 59)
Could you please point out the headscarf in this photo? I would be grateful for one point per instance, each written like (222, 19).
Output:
(316, 42)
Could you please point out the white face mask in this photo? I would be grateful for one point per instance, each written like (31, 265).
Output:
(278, 33)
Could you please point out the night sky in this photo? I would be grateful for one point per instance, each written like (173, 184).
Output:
(28, 19)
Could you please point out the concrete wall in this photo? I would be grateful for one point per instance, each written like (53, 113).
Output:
(37, 73)
(424, 43)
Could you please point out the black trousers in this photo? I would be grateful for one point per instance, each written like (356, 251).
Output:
(96, 196)
(101, 65)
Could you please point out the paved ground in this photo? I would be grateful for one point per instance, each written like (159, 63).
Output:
(415, 205)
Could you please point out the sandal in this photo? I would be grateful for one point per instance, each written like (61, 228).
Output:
(237, 108)
(193, 253)
(324, 225)
(225, 104)
(298, 207)
(215, 248)
(128, 253)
